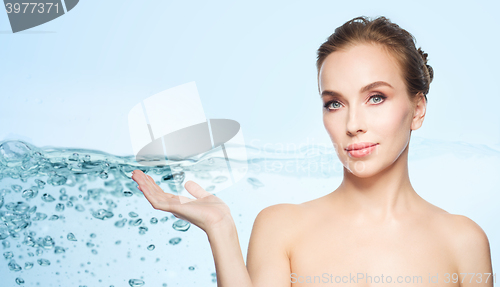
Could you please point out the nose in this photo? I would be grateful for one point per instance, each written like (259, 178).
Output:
(355, 123)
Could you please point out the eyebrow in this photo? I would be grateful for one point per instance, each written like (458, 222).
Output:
(363, 89)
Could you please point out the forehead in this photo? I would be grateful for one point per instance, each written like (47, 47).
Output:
(349, 70)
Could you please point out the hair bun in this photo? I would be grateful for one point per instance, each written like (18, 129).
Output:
(428, 67)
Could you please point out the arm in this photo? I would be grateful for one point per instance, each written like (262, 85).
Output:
(473, 254)
(268, 264)
(268, 258)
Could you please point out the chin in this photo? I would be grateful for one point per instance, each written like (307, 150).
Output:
(361, 169)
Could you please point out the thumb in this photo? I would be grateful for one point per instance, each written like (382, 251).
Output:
(195, 189)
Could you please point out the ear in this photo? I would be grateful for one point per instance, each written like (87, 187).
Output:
(420, 107)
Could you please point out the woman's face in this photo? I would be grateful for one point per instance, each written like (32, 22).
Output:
(356, 112)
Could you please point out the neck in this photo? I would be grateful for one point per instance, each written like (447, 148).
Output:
(380, 197)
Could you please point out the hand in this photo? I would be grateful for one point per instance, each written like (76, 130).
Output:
(206, 211)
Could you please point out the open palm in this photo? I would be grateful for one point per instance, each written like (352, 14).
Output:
(206, 211)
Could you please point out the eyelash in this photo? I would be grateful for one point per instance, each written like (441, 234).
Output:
(335, 101)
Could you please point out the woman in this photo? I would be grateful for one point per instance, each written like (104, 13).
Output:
(374, 228)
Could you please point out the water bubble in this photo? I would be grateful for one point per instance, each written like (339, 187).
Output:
(164, 219)
(153, 220)
(8, 255)
(60, 207)
(191, 268)
(121, 223)
(151, 247)
(135, 283)
(19, 281)
(29, 193)
(57, 179)
(175, 240)
(142, 230)
(90, 244)
(219, 179)
(127, 193)
(39, 216)
(164, 285)
(136, 222)
(94, 251)
(71, 237)
(13, 266)
(63, 197)
(102, 214)
(69, 204)
(1, 201)
(181, 225)
(5, 244)
(40, 183)
(43, 262)
(48, 198)
(118, 242)
(12, 153)
(255, 182)
(210, 188)
(54, 217)
(73, 198)
(93, 235)
(30, 254)
(48, 242)
(79, 207)
(59, 250)
(16, 187)
(28, 265)
(133, 214)
(39, 252)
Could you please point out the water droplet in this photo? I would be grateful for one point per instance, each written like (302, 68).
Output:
(153, 220)
(175, 240)
(142, 230)
(164, 219)
(43, 262)
(94, 251)
(59, 250)
(57, 180)
(102, 214)
(136, 222)
(93, 235)
(19, 281)
(16, 187)
(13, 266)
(48, 198)
(48, 242)
(63, 197)
(210, 188)
(255, 182)
(60, 207)
(54, 217)
(79, 207)
(90, 244)
(5, 244)
(127, 193)
(120, 223)
(133, 214)
(39, 216)
(28, 265)
(118, 242)
(191, 268)
(71, 237)
(135, 283)
(181, 225)
(29, 193)
(151, 247)
(219, 179)
(8, 255)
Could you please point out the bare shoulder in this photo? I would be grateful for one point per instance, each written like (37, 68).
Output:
(467, 241)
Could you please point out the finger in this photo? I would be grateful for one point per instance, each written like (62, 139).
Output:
(195, 189)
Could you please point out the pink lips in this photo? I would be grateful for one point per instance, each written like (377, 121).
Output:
(361, 149)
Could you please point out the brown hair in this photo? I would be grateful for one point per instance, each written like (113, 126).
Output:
(400, 43)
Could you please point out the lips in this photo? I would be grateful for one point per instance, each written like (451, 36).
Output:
(357, 146)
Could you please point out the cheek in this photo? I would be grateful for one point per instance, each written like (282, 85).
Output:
(392, 120)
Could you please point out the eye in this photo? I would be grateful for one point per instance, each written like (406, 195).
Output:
(382, 98)
(330, 105)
